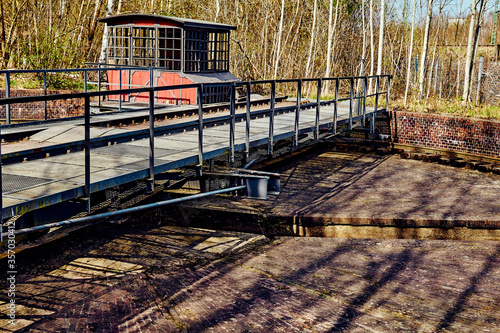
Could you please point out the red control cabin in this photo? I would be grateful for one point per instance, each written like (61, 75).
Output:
(181, 51)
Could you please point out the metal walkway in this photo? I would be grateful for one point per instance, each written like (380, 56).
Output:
(113, 156)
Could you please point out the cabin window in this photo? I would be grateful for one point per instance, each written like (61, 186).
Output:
(207, 51)
(170, 48)
(119, 45)
(143, 47)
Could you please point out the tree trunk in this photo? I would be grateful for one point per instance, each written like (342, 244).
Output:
(329, 43)
(468, 59)
(434, 56)
(280, 33)
(331, 29)
(104, 46)
(424, 49)
(472, 44)
(120, 4)
(93, 25)
(217, 10)
(372, 47)
(410, 53)
(381, 38)
(2, 35)
(311, 44)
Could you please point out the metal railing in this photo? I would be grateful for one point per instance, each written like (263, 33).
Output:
(232, 118)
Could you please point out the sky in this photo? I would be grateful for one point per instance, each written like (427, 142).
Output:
(454, 8)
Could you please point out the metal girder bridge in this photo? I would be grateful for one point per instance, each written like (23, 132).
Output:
(67, 173)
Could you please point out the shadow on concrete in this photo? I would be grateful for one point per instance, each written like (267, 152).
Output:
(461, 302)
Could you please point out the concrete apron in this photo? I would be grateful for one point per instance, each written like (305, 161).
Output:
(358, 195)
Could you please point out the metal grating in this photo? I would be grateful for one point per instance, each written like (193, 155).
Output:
(141, 165)
(14, 183)
(130, 150)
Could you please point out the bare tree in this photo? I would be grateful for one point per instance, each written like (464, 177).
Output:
(217, 10)
(331, 29)
(280, 33)
(311, 44)
(425, 46)
(372, 47)
(474, 31)
(104, 45)
(410, 52)
(381, 38)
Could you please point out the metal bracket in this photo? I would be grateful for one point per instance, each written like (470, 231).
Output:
(273, 184)
(258, 184)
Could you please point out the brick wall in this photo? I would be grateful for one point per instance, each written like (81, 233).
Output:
(464, 135)
(36, 110)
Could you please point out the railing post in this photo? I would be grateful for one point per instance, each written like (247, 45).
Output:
(247, 130)
(151, 75)
(318, 108)
(7, 95)
(351, 96)
(45, 93)
(365, 88)
(387, 93)
(335, 106)
(152, 138)
(297, 114)
(120, 88)
(87, 150)
(375, 110)
(99, 83)
(232, 110)
(1, 191)
(200, 125)
(270, 143)
(86, 79)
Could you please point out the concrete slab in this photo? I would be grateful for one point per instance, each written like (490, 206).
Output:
(96, 159)
(216, 132)
(102, 175)
(129, 150)
(50, 132)
(179, 155)
(46, 189)
(46, 169)
(10, 201)
(74, 134)
(207, 138)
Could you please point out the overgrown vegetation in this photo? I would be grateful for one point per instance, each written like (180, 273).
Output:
(446, 106)
(275, 38)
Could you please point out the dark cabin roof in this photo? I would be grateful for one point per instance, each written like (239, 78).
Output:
(181, 22)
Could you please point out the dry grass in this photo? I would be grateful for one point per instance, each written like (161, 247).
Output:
(452, 107)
